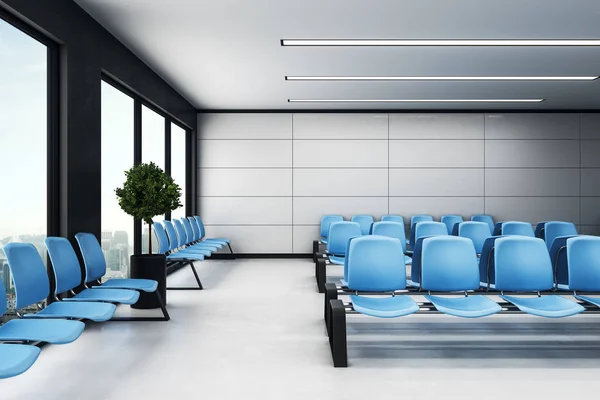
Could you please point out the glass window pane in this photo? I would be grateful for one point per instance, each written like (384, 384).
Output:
(117, 157)
(178, 136)
(23, 145)
(153, 149)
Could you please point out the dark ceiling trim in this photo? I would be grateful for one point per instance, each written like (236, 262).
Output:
(441, 111)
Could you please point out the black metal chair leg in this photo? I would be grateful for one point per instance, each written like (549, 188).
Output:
(321, 274)
(191, 264)
(337, 337)
(165, 317)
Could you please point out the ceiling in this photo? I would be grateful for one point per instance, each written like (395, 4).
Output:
(226, 54)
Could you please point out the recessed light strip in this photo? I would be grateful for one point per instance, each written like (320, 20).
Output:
(440, 78)
(440, 42)
(415, 100)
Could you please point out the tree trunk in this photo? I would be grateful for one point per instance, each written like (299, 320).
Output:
(149, 238)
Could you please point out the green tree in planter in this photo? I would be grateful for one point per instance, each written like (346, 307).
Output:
(147, 192)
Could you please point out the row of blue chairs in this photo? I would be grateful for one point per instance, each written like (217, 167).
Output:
(448, 265)
(60, 322)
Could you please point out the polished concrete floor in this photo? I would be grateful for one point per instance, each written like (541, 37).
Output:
(256, 332)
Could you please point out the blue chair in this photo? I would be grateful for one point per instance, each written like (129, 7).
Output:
(449, 264)
(414, 220)
(339, 234)
(394, 230)
(178, 258)
(517, 228)
(424, 229)
(487, 267)
(32, 286)
(177, 241)
(55, 331)
(376, 264)
(497, 231)
(522, 264)
(478, 232)
(484, 218)
(583, 264)
(16, 359)
(539, 229)
(365, 222)
(191, 242)
(555, 229)
(203, 238)
(327, 220)
(67, 276)
(393, 218)
(451, 221)
(95, 269)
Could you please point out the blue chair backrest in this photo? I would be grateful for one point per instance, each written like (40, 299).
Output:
(375, 263)
(2, 298)
(93, 256)
(201, 226)
(28, 272)
(195, 229)
(484, 218)
(339, 234)
(558, 257)
(539, 229)
(424, 229)
(171, 236)
(448, 263)
(390, 229)
(497, 231)
(393, 218)
(414, 220)
(365, 222)
(188, 230)
(450, 221)
(556, 229)
(327, 220)
(487, 267)
(583, 255)
(67, 271)
(517, 228)
(522, 264)
(181, 234)
(476, 231)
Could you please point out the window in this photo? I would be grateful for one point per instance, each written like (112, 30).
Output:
(178, 165)
(153, 150)
(23, 144)
(117, 156)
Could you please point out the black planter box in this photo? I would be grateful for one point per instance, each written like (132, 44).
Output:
(150, 266)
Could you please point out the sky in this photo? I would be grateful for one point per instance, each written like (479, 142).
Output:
(23, 142)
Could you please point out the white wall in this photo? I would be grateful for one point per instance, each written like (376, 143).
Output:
(266, 179)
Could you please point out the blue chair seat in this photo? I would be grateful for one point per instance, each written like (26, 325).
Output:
(324, 240)
(411, 283)
(16, 359)
(384, 307)
(145, 285)
(337, 260)
(562, 286)
(53, 331)
(343, 282)
(485, 285)
(221, 241)
(466, 307)
(592, 300)
(407, 260)
(181, 255)
(98, 312)
(546, 306)
(122, 296)
(196, 252)
(210, 247)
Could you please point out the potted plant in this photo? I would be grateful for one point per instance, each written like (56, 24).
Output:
(147, 192)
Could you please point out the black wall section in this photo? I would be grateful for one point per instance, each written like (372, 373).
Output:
(87, 51)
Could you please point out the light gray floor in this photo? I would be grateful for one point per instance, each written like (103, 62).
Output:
(257, 332)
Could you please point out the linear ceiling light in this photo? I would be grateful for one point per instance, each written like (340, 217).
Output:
(440, 42)
(440, 78)
(415, 100)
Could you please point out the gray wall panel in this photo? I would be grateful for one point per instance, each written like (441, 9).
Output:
(244, 182)
(532, 126)
(340, 126)
(245, 153)
(590, 210)
(436, 126)
(341, 182)
(590, 153)
(340, 153)
(533, 209)
(590, 126)
(436, 153)
(532, 182)
(308, 210)
(436, 182)
(590, 181)
(436, 206)
(590, 230)
(303, 237)
(246, 210)
(255, 239)
(245, 126)
(532, 153)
